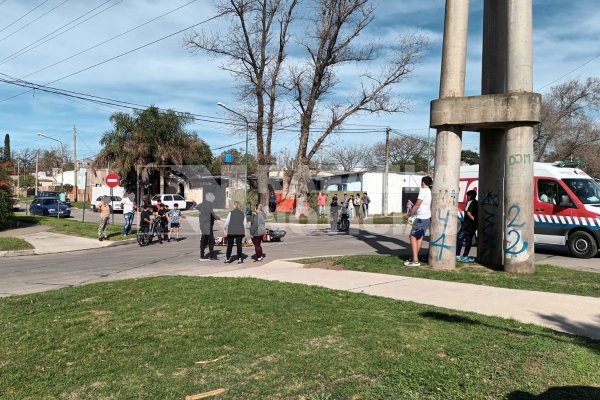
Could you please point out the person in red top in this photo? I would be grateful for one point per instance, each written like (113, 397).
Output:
(321, 202)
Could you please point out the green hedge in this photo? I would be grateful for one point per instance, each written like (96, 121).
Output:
(7, 217)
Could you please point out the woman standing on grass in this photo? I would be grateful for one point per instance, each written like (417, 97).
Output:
(257, 231)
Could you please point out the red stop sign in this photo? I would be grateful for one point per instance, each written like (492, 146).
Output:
(112, 180)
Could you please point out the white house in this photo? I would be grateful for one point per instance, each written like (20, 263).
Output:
(401, 187)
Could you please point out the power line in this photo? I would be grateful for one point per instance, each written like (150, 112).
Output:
(23, 16)
(36, 43)
(125, 53)
(569, 73)
(110, 39)
(32, 21)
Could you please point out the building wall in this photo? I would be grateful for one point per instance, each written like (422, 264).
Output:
(372, 183)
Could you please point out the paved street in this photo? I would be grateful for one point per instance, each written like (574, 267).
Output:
(36, 273)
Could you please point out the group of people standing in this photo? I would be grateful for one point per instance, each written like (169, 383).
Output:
(234, 231)
(420, 216)
(350, 205)
(169, 219)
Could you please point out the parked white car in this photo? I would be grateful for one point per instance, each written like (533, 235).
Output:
(171, 199)
(114, 204)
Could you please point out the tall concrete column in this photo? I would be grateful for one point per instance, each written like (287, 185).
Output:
(518, 203)
(492, 141)
(449, 139)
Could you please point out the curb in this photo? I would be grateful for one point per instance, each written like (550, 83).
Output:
(17, 253)
(33, 252)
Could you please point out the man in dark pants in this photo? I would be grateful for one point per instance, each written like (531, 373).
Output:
(234, 230)
(207, 222)
(467, 228)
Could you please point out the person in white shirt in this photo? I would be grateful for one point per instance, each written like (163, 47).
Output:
(128, 207)
(422, 212)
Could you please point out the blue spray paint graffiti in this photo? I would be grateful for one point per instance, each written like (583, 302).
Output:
(514, 229)
(441, 241)
(490, 208)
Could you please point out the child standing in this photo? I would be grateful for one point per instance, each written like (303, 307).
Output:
(174, 215)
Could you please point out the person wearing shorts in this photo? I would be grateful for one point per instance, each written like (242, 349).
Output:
(422, 213)
(174, 216)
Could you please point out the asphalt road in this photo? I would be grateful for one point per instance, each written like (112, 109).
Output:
(30, 274)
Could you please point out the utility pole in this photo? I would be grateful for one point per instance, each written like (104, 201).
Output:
(18, 178)
(386, 171)
(37, 161)
(75, 169)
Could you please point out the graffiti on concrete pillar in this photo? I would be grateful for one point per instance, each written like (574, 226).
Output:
(490, 210)
(441, 241)
(515, 244)
(516, 159)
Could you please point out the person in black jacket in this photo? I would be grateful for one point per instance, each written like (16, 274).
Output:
(333, 212)
(207, 220)
(467, 228)
(234, 230)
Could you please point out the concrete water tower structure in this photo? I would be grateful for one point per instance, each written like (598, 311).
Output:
(504, 114)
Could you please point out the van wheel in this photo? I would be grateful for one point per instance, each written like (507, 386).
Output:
(582, 245)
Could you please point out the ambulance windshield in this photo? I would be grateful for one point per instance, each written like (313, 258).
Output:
(586, 190)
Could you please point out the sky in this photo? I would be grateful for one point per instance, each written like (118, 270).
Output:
(42, 41)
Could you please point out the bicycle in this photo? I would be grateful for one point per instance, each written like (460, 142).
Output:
(146, 234)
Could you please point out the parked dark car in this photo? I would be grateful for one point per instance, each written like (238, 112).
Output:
(49, 206)
(52, 193)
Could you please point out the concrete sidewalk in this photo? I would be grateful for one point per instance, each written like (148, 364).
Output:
(578, 315)
(45, 242)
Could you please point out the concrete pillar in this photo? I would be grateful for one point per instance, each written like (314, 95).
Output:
(492, 141)
(449, 140)
(518, 200)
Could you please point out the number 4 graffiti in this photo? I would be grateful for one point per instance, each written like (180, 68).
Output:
(441, 241)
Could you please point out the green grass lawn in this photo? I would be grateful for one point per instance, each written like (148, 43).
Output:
(70, 226)
(547, 278)
(144, 339)
(9, 243)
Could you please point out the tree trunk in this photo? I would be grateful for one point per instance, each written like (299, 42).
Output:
(263, 187)
(300, 184)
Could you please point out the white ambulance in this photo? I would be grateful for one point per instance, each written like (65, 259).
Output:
(566, 205)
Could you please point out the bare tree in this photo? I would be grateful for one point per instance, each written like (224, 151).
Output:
(254, 47)
(565, 117)
(348, 157)
(406, 152)
(330, 42)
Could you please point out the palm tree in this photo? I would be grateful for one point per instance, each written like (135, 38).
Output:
(149, 141)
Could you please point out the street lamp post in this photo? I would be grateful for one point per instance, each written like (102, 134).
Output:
(62, 164)
(247, 130)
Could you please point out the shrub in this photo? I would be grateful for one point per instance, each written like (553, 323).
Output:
(7, 217)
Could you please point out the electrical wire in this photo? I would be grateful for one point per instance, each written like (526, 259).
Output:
(32, 21)
(109, 40)
(23, 16)
(568, 73)
(36, 43)
(124, 53)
